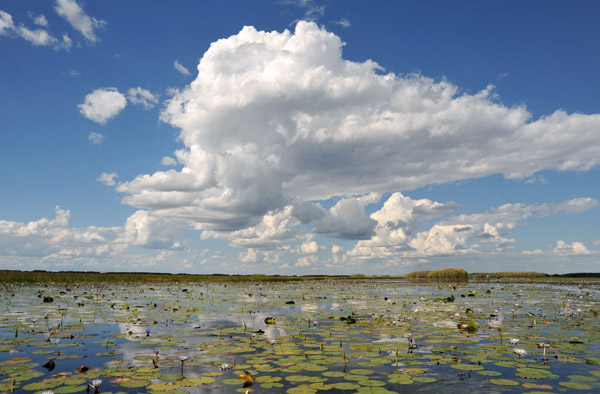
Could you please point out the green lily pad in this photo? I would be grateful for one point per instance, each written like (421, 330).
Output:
(361, 371)
(576, 385)
(8, 386)
(400, 378)
(171, 377)
(135, 383)
(267, 379)
(467, 367)
(43, 385)
(345, 386)
(356, 378)
(163, 386)
(371, 383)
(333, 374)
(489, 373)
(271, 385)
(232, 382)
(297, 378)
(70, 389)
(582, 378)
(424, 379)
(302, 389)
(533, 373)
(504, 382)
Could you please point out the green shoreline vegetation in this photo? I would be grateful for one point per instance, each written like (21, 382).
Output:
(449, 274)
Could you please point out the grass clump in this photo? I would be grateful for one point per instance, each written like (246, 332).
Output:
(444, 274)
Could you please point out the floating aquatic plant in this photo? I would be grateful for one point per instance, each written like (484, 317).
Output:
(95, 384)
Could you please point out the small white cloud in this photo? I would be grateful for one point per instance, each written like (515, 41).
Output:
(250, 256)
(74, 73)
(102, 104)
(107, 178)
(343, 22)
(336, 249)
(142, 97)
(535, 252)
(39, 20)
(309, 247)
(574, 249)
(305, 261)
(168, 161)
(96, 138)
(541, 179)
(179, 67)
(79, 20)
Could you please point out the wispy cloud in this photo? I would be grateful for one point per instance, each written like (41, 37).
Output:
(312, 9)
(37, 37)
(182, 70)
(79, 20)
(96, 139)
(343, 22)
(142, 97)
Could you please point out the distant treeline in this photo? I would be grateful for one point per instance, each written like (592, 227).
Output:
(530, 275)
(449, 274)
(502, 275)
(39, 276)
(578, 275)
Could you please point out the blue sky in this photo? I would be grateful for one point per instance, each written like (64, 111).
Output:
(299, 137)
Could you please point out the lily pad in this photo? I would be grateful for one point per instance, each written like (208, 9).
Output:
(576, 385)
(504, 382)
(135, 383)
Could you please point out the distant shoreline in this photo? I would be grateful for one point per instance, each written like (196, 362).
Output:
(450, 274)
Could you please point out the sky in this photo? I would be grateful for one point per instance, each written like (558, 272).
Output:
(299, 137)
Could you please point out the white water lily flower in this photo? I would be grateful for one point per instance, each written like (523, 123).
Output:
(514, 341)
(96, 384)
(520, 352)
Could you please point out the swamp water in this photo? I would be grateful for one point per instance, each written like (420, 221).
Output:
(335, 336)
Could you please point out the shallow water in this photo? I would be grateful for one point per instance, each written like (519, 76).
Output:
(115, 330)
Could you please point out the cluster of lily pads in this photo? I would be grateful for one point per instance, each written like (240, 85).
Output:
(300, 338)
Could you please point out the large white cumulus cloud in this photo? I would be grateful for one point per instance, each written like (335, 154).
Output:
(275, 117)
